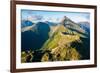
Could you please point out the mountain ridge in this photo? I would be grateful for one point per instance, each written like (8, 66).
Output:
(63, 42)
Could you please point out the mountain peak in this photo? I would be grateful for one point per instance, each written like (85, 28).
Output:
(64, 20)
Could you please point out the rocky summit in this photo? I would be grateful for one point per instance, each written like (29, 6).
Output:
(64, 41)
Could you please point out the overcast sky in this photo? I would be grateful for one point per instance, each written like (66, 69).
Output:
(53, 16)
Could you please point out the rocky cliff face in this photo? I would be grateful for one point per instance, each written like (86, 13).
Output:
(66, 41)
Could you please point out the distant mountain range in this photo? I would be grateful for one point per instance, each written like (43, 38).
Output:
(63, 41)
(85, 26)
(25, 23)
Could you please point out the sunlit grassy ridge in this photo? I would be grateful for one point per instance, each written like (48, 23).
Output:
(63, 44)
(60, 44)
(58, 38)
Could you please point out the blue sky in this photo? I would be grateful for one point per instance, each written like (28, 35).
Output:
(54, 16)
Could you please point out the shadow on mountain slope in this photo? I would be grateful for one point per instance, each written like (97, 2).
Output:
(83, 48)
(35, 40)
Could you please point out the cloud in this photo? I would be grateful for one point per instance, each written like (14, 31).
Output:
(79, 19)
(35, 17)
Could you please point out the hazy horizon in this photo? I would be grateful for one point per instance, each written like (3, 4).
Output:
(53, 16)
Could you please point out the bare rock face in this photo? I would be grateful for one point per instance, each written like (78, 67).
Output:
(68, 42)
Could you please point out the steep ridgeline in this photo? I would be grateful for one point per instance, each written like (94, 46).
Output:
(68, 42)
(63, 42)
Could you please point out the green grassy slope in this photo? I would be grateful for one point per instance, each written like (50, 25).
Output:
(60, 44)
(64, 44)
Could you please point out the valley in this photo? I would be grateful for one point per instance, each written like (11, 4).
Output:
(66, 41)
